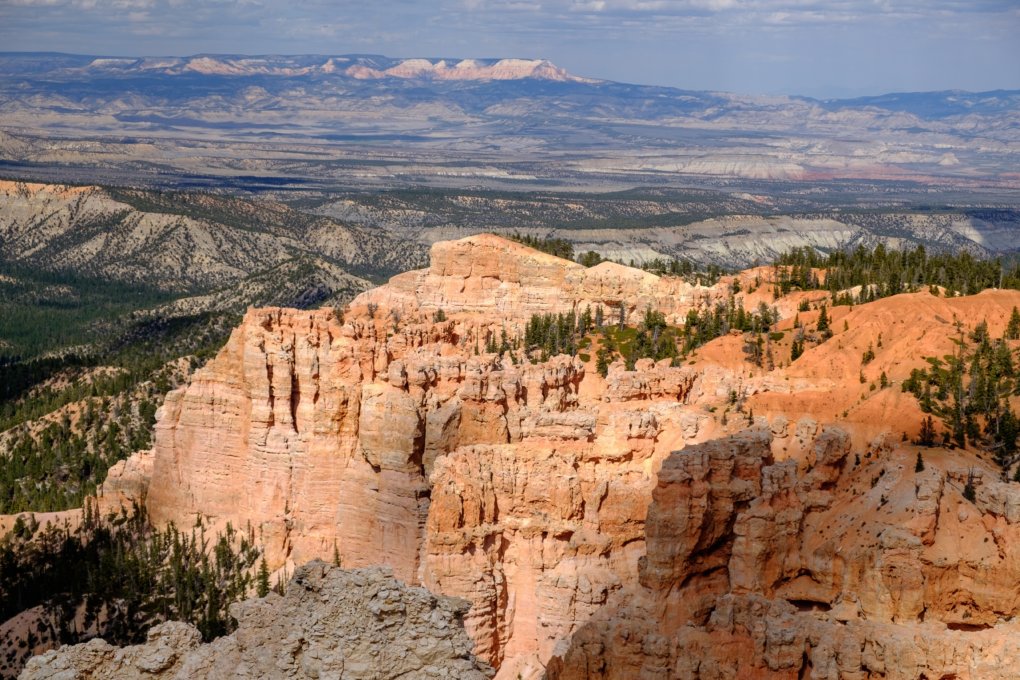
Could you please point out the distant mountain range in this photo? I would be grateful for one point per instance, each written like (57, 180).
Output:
(30, 65)
(482, 122)
(361, 67)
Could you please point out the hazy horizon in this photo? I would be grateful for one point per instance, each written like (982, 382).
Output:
(840, 48)
(848, 94)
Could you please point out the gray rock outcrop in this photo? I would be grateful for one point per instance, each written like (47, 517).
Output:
(332, 623)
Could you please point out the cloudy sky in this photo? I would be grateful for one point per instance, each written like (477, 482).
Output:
(814, 47)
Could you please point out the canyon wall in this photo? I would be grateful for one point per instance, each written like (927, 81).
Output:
(388, 438)
(505, 282)
(532, 489)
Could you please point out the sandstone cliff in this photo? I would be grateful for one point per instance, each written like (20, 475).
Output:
(522, 487)
(504, 281)
(389, 437)
(360, 624)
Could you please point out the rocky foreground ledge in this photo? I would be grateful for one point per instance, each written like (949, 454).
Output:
(332, 623)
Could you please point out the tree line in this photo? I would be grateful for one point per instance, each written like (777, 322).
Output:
(687, 269)
(123, 576)
(881, 272)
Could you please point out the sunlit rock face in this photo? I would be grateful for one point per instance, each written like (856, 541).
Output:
(389, 438)
(786, 534)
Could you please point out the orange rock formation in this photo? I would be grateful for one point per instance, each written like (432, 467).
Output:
(528, 488)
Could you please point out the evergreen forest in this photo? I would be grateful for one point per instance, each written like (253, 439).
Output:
(880, 272)
(117, 576)
(970, 393)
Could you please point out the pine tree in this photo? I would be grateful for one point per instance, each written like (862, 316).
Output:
(927, 434)
(262, 584)
(755, 349)
(868, 356)
(823, 320)
(1013, 328)
(968, 489)
(1008, 433)
(919, 465)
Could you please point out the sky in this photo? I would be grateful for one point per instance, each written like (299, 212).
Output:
(834, 48)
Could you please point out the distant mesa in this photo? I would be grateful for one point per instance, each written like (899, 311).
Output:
(470, 69)
(359, 67)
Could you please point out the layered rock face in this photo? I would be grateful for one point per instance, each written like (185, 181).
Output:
(539, 533)
(793, 550)
(392, 440)
(331, 623)
(314, 431)
(507, 282)
(845, 569)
